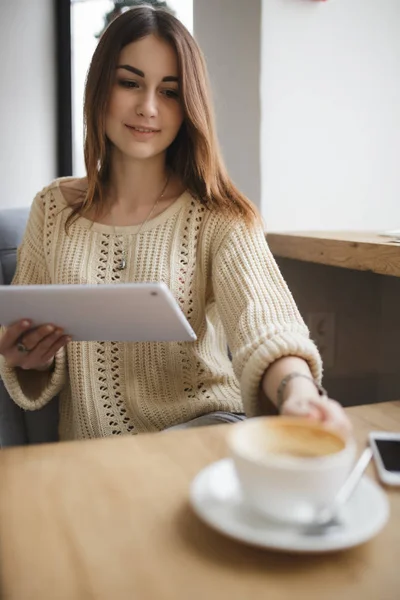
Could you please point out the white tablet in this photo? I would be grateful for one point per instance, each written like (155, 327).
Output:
(123, 312)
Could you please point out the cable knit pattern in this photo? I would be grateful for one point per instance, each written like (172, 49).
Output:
(225, 281)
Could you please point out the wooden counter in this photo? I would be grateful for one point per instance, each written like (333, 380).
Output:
(110, 519)
(363, 251)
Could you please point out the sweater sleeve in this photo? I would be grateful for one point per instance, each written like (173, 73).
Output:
(260, 318)
(31, 390)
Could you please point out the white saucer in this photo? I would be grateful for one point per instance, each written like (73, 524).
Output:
(216, 498)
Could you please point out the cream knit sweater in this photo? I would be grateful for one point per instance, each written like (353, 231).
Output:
(227, 284)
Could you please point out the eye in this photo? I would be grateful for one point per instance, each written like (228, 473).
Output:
(171, 94)
(128, 83)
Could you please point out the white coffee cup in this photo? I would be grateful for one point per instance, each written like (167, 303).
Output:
(289, 467)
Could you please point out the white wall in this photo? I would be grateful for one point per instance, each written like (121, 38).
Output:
(27, 100)
(183, 11)
(331, 114)
(228, 32)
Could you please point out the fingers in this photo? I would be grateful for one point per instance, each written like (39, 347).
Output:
(333, 415)
(34, 337)
(41, 343)
(12, 334)
(300, 407)
(328, 411)
(45, 349)
(52, 349)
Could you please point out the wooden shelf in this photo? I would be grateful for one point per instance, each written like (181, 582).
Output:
(363, 251)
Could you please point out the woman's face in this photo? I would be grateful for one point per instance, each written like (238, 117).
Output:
(144, 112)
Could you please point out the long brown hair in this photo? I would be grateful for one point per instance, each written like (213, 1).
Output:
(194, 155)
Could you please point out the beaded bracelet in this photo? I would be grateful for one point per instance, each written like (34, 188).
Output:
(279, 395)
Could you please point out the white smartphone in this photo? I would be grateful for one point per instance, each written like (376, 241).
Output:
(386, 450)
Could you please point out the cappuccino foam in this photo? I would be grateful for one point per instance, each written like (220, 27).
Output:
(300, 440)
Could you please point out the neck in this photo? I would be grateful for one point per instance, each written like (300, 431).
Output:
(136, 184)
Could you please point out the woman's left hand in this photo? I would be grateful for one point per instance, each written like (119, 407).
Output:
(319, 408)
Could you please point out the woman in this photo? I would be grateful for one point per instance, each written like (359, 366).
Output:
(158, 205)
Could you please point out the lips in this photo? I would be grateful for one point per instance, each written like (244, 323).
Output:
(143, 129)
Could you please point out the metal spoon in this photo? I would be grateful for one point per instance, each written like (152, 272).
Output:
(327, 517)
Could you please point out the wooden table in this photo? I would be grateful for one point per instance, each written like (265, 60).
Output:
(110, 520)
(360, 250)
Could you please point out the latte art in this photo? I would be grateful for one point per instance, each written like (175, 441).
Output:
(293, 440)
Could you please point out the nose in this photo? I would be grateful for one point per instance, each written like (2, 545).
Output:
(147, 104)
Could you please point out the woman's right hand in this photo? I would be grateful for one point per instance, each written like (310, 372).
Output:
(31, 349)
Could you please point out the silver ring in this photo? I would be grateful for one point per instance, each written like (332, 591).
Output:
(22, 348)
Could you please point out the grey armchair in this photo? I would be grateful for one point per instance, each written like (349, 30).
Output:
(16, 425)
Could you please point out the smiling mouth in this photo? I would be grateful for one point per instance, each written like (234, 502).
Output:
(143, 129)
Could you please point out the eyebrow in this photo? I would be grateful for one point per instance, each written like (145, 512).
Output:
(141, 74)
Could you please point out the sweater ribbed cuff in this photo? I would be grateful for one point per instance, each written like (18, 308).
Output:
(54, 382)
(286, 344)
